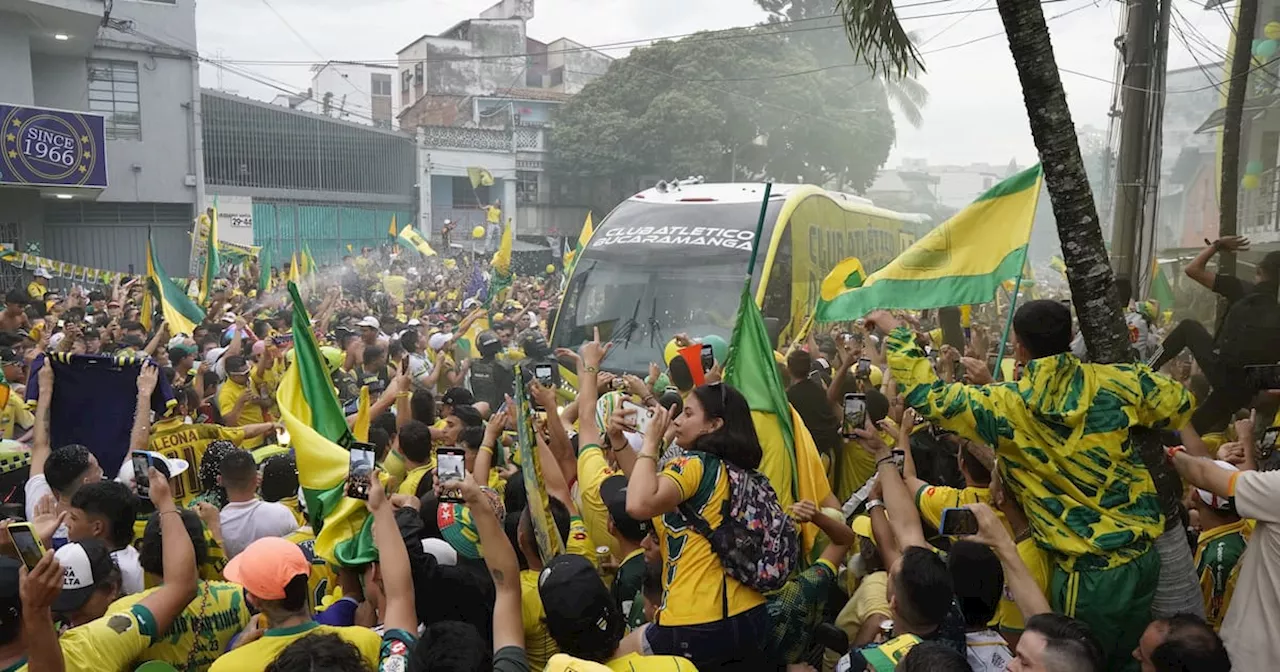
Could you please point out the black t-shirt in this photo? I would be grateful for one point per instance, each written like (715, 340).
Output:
(810, 401)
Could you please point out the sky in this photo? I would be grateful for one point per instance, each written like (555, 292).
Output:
(975, 113)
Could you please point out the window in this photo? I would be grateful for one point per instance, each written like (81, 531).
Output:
(113, 93)
(557, 77)
(417, 73)
(406, 78)
(380, 84)
(526, 186)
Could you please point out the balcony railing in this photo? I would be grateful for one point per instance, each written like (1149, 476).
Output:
(1260, 209)
(527, 138)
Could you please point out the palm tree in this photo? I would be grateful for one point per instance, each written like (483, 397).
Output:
(877, 36)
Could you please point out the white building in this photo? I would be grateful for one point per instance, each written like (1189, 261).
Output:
(364, 93)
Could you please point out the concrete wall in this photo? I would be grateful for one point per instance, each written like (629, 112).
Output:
(15, 54)
(354, 82)
(448, 70)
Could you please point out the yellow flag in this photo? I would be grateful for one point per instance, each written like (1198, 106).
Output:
(391, 230)
(479, 177)
(294, 276)
(416, 241)
(502, 258)
(360, 429)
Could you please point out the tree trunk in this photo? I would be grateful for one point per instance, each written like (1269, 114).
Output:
(1088, 270)
(1233, 119)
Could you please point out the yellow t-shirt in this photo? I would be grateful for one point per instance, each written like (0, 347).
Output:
(413, 478)
(1009, 617)
(634, 662)
(210, 570)
(255, 656)
(869, 599)
(269, 378)
(323, 580)
(15, 418)
(592, 471)
(250, 413)
(538, 644)
(694, 584)
(394, 286)
(493, 215)
(36, 290)
(173, 439)
(206, 626)
(112, 642)
(932, 499)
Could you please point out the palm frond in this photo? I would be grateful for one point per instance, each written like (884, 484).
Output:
(878, 38)
(902, 99)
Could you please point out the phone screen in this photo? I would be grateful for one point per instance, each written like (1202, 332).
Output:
(450, 466)
(957, 521)
(544, 374)
(643, 416)
(708, 357)
(360, 470)
(1269, 437)
(1263, 377)
(855, 413)
(141, 478)
(864, 368)
(30, 550)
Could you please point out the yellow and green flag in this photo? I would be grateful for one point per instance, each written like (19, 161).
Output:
(847, 275)
(962, 261)
(571, 259)
(320, 438)
(391, 230)
(480, 177)
(1161, 290)
(179, 310)
(790, 458)
(211, 259)
(294, 275)
(415, 240)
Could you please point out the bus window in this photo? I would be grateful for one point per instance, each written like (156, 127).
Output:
(777, 295)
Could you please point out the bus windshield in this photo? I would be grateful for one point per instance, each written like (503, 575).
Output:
(655, 270)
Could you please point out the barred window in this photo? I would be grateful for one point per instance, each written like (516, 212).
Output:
(113, 93)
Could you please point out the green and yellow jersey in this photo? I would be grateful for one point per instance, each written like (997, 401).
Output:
(1061, 434)
(202, 631)
(174, 439)
(1218, 553)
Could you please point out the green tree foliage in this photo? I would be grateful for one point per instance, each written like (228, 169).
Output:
(724, 106)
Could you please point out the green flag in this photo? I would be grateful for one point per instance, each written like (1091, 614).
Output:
(264, 271)
(1161, 290)
(211, 260)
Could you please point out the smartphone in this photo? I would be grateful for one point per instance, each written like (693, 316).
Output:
(450, 466)
(864, 368)
(644, 415)
(708, 358)
(855, 413)
(282, 339)
(141, 478)
(1263, 376)
(360, 470)
(25, 540)
(545, 376)
(1269, 437)
(957, 522)
(404, 365)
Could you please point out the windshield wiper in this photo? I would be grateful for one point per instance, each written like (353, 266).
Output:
(655, 327)
(628, 328)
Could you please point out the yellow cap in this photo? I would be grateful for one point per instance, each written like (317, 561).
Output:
(862, 526)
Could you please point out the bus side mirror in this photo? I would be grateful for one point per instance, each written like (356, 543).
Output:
(773, 326)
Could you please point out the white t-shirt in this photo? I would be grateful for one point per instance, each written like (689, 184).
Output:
(246, 522)
(1249, 626)
(130, 570)
(987, 651)
(36, 488)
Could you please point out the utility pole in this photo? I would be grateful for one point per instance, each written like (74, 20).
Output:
(1233, 120)
(1138, 52)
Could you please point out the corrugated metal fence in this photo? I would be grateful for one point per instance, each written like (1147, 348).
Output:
(326, 230)
(113, 236)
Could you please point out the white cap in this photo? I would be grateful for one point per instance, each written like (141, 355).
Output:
(176, 466)
(229, 318)
(78, 580)
(413, 322)
(42, 273)
(443, 552)
(55, 339)
(437, 341)
(214, 355)
(1211, 499)
(470, 303)
(369, 321)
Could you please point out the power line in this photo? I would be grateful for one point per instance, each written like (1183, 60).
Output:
(734, 33)
(1087, 5)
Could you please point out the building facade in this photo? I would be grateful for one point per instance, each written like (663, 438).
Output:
(364, 93)
(100, 64)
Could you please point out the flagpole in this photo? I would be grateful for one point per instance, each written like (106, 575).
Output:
(1008, 322)
(755, 242)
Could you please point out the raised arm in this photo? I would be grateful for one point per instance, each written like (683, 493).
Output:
(37, 590)
(647, 494)
(900, 506)
(41, 446)
(393, 559)
(140, 435)
(492, 434)
(180, 575)
(500, 557)
(156, 340)
(1198, 268)
(557, 438)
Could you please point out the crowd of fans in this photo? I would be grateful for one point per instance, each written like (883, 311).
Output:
(208, 560)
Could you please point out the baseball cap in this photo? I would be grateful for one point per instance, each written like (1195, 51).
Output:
(578, 607)
(173, 466)
(369, 321)
(1214, 501)
(84, 564)
(8, 356)
(42, 273)
(458, 396)
(437, 341)
(614, 493)
(266, 567)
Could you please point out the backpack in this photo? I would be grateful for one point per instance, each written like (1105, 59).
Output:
(756, 541)
(1250, 334)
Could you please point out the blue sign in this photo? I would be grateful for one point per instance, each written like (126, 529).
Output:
(51, 148)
